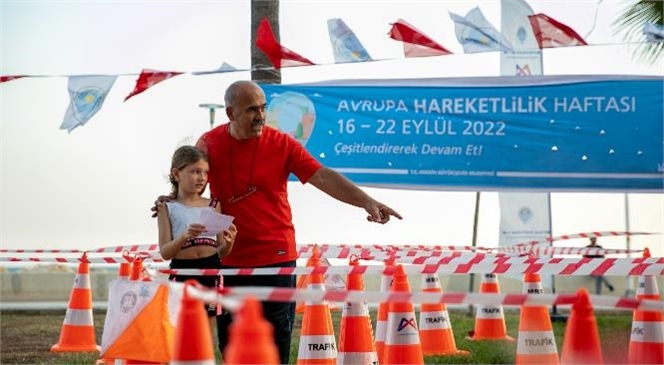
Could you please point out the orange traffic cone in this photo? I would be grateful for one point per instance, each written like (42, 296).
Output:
(317, 342)
(251, 337)
(646, 344)
(124, 271)
(356, 342)
(136, 269)
(302, 280)
(402, 343)
(78, 330)
(581, 344)
(536, 342)
(381, 316)
(489, 318)
(192, 344)
(435, 328)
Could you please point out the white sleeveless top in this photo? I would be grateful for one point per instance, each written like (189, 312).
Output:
(181, 216)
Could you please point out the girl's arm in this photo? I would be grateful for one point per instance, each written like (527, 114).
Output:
(168, 246)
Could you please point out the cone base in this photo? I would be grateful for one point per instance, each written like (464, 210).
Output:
(86, 348)
(475, 338)
(447, 353)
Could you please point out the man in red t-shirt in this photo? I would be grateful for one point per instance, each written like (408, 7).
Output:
(250, 163)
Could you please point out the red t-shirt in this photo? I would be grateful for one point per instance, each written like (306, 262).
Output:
(265, 231)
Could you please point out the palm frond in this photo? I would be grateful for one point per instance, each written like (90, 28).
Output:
(630, 22)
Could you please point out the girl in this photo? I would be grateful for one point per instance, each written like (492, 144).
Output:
(181, 238)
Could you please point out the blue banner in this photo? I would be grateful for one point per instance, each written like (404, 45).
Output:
(549, 133)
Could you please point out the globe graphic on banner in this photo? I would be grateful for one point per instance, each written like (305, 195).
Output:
(293, 114)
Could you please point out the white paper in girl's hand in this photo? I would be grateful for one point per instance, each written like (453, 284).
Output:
(215, 222)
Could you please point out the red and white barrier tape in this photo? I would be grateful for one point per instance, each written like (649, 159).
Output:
(345, 250)
(478, 265)
(77, 260)
(117, 249)
(356, 296)
(525, 247)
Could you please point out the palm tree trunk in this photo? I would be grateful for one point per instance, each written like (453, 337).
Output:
(262, 70)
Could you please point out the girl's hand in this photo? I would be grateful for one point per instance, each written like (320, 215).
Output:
(194, 230)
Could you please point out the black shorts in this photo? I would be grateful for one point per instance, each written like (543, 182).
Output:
(210, 262)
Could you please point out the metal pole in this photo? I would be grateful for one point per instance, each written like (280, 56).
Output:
(212, 108)
(629, 290)
(474, 244)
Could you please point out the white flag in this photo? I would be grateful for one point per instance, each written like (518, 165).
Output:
(86, 96)
(525, 58)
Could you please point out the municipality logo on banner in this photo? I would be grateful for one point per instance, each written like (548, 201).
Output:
(86, 97)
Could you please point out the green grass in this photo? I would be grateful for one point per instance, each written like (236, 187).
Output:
(27, 336)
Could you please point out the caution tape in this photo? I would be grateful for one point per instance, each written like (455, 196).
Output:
(477, 265)
(356, 296)
(117, 249)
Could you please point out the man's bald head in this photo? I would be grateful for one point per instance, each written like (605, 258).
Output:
(236, 89)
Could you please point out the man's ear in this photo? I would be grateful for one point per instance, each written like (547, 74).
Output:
(229, 113)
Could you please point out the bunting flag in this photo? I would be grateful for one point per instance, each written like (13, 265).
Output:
(10, 78)
(86, 97)
(149, 78)
(415, 43)
(225, 67)
(654, 32)
(551, 33)
(279, 55)
(345, 45)
(476, 34)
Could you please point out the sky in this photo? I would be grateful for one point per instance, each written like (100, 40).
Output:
(94, 187)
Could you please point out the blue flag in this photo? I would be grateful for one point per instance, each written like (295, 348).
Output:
(345, 45)
(86, 96)
(476, 34)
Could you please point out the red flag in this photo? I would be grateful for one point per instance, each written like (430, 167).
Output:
(10, 78)
(415, 43)
(551, 33)
(149, 78)
(279, 55)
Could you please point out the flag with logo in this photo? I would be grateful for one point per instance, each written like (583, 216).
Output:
(551, 33)
(345, 45)
(415, 42)
(86, 97)
(476, 34)
(278, 55)
(148, 78)
(525, 58)
(525, 217)
(140, 321)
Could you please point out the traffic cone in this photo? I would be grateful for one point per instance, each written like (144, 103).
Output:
(581, 344)
(536, 342)
(192, 343)
(136, 269)
(251, 337)
(381, 316)
(489, 318)
(78, 330)
(356, 342)
(317, 342)
(402, 343)
(302, 280)
(435, 328)
(124, 271)
(646, 344)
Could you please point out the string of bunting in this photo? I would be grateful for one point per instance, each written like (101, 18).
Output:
(473, 31)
